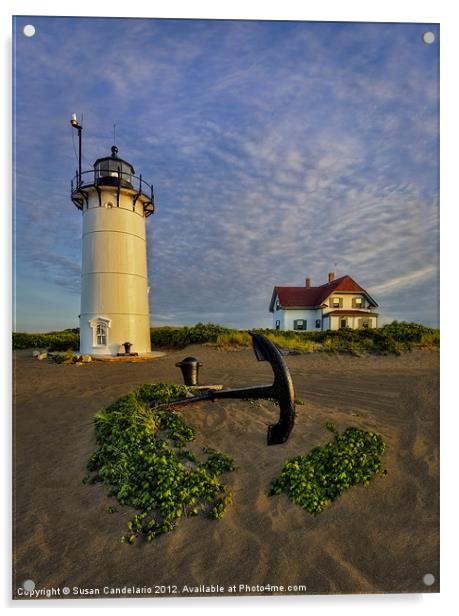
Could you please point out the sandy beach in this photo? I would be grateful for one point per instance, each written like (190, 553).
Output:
(378, 539)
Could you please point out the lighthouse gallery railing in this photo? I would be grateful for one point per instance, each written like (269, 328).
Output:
(119, 179)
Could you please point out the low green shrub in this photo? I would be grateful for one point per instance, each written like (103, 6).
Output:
(315, 480)
(217, 463)
(392, 338)
(233, 338)
(53, 341)
(64, 358)
(180, 337)
(140, 456)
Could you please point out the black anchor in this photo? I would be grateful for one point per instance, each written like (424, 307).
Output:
(281, 390)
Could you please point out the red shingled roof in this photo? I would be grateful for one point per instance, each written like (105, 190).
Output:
(312, 297)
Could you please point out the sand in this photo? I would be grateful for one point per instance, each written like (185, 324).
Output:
(374, 539)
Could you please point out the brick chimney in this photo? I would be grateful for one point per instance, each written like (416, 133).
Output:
(308, 282)
(331, 276)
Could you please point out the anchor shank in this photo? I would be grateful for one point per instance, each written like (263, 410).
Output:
(253, 393)
(266, 391)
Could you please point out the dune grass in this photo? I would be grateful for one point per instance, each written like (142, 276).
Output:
(393, 338)
(233, 338)
(396, 337)
(66, 340)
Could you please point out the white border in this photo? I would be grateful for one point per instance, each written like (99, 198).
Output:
(333, 10)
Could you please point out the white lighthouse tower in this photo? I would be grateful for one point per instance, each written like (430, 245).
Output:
(114, 279)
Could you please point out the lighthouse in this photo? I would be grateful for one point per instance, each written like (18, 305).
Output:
(115, 204)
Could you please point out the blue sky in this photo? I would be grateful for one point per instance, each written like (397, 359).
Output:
(278, 150)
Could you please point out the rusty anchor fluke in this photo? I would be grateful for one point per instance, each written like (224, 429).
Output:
(281, 390)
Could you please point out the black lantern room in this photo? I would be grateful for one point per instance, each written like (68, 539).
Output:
(113, 171)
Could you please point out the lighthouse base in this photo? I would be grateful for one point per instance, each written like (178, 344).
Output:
(129, 358)
(110, 334)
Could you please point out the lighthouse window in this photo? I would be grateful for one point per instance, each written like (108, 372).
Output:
(101, 334)
(113, 168)
(126, 173)
(100, 328)
(103, 169)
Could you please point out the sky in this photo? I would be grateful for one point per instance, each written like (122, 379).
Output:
(278, 151)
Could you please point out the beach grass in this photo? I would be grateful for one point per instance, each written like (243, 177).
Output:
(394, 338)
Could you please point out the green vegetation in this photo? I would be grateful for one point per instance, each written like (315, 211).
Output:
(393, 338)
(233, 338)
(69, 339)
(64, 358)
(217, 463)
(180, 337)
(315, 480)
(142, 457)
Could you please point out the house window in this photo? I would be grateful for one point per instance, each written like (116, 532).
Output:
(318, 323)
(277, 305)
(300, 324)
(366, 323)
(357, 302)
(342, 323)
(337, 302)
(277, 324)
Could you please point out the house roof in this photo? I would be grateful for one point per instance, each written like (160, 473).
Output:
(313, 297)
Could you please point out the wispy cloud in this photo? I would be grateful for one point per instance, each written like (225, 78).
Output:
(407, 281)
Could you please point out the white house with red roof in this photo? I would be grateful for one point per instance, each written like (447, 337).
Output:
(337, 304)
